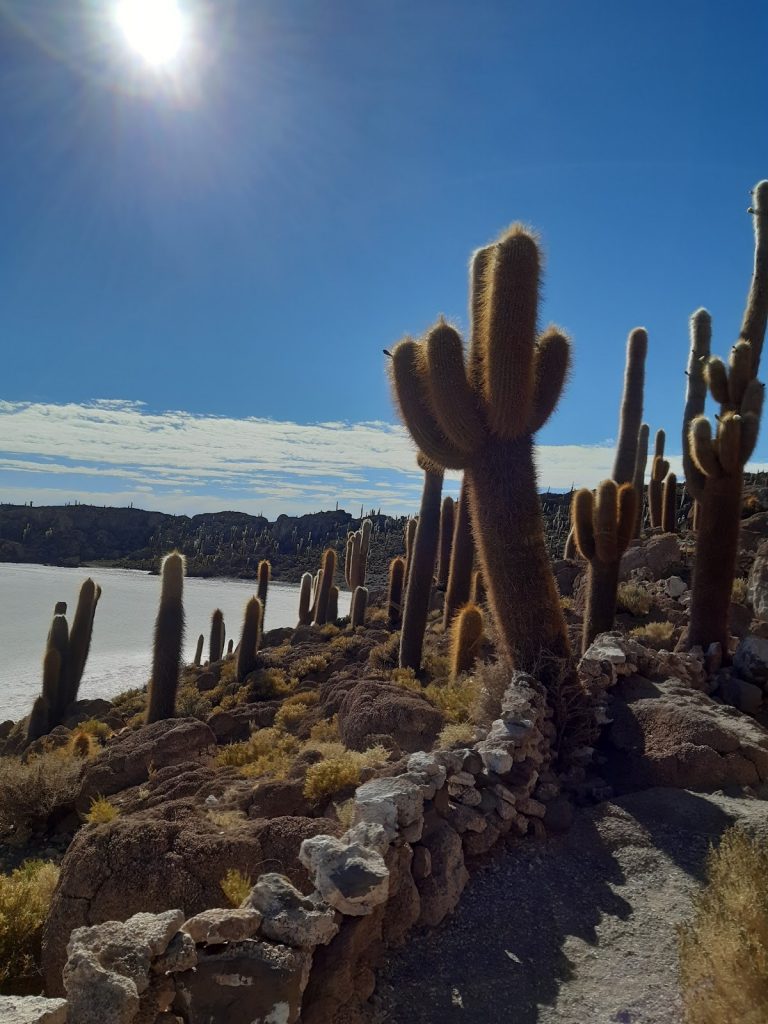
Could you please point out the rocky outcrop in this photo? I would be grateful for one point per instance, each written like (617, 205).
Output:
(373, 708)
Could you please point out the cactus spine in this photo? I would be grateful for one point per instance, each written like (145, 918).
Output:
(462, 557)
(423, 554)
(446, 542)
(603, 526)
(395, 591)
(669, 505)
(199, 649)
(324, 590)
(659, 469)
(638, 480)
(250, 638)
(466, 636)
(216, 641)
(358, 606)
(631, 407)
(169, 637)
(482, 419)
(696, 395)
(721, 459)
(263, 576)
(305, 599)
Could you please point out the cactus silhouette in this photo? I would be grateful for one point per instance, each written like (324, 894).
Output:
(199, 649)
(423, 554)
(466, 637)
(263, 576)
(324, 590)
(169, 637)
(446, 542)
(669, 505)
(462, 558)
(696, 395)
(305, 599)
(80, 640)
(603, 525)
(481, 418)
(216, 641)
(395, 591)
(638, 478)
(250, 638)
(358, 606)
(631, 407)
(659, 469)
(721, 459)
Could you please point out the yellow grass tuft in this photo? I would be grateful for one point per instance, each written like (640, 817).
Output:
(101, 811)
(632, 598)
(236, 886)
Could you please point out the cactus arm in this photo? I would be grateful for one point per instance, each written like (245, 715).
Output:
(717, 379)
(552, 357)
(479, 276)
(756, 313)
(696, 394)
(631, 413)
(453, 401)
(305, 599)
(582, 511)
(604, 519)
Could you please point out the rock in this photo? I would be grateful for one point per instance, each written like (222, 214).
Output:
(180, 955)
(475, 844)
(220, 924)
(441, 889)
(236, 725)
(108, 966)
(126, 760)
(206, 681)
(144, 863)
(465, 819)
(395, 803)
(352, 878)
(751, 660)
(243, 983)
(757, 582)
(422, 863)
(566, 573)
(675, 587)
(372, 707)
(739, 694)
(84, 710)
(659, 555)
(32, 1010)
(288, 916)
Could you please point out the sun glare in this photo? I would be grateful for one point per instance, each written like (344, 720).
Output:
(154, 29)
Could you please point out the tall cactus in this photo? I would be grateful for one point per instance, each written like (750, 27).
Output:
(395, 591)
(250, 638)
(305, 599)
(424, 552)
(721, 459)
(447, 516)
(638, 479)
(356, 559)
(482, 419)
(669, 505)
(169, 637)
(324, 591)
(603, 527)
(80, 639)
(216, 641)
(659, 469)
(462, 558)
(199, 650)
(263, 576)
(466, 637)
(358, 607)
(696, 395)
(333, 604)
(631, 407)
(409, 535)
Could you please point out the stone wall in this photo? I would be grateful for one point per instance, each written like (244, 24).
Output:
(285, 956)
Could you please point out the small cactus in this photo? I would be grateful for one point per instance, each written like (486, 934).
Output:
(631, 407)
(395, 591)
(478, 588)
(358, 607)
(169, 638)
(466, 637)
(250, 638)
(199, 649)
(669, 505)
(305, 599)
(38, 724)
(333, 604)
(659, 469)
(216, 641)
(263, 575)
(603, 526)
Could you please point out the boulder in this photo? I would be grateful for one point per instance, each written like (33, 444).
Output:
(350, 876)
(126, 760)
(141, 863)
(750, 661)
(675, 587)
(236, 725)
(288, 916)
(739, 694)
(32, 1010)
(220, 925)
(658, 556)
(373, 707)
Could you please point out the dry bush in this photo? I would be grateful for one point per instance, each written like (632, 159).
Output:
(99, 730)
(30, 791)
(268, 683)
(311, 664)
(384, 657)
(567, 604)
(455, 698)
(307, 697)
(225, 819)
(739, 590)
(633, 598)
(242, 695)
(339, 768)
(657, 634)
(269, 752)
(236, 886)
(130, 702)
(456, 734)
(724, 948)
(346, 644)
(406, 678)
(290, 716)
(491, 679)
(329, 630)
(25, 896)
(190, 703)
(325, 731)
(345, 812)
(101, 811)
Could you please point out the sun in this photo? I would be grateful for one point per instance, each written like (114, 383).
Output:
(154, 29)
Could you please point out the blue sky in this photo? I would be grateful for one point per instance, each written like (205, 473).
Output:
(223, 260)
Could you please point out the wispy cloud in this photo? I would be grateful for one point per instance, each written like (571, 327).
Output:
(110, 452)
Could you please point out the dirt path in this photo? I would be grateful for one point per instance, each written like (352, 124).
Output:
(577, 930)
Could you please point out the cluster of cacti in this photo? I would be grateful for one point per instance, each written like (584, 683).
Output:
(459, 588)
(466, 637)
(418, 590)
(169, 637)
(631, 407)
(659, 469)
(356, 560)
(480, 416)
(603, 525)
(718, 462)
(250, 637)
(64, 661)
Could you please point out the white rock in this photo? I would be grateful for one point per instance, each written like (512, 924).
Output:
(222, 925)
(32, 1010)
(674, 586)
(290, 917)
(352, 878)
(375, 799)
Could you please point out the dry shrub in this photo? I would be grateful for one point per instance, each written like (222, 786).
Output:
(406, 678)
(25, 896)
(329, 630)
(130, 702)
(191, 703)
(236, 886)
(225, 819)
(491, 680)
(456, 734)
(267, 752)
(99, 730)
(290, 716)
(633, 598)
(30, 791)
(307, 697)
(101, 811)
(345, 812)
(346, 644)
(384, 657)
(455, 698)
(724, 948)
(308, 666)
(339, 769)
(657, 634)
(268, 683)
(325, 731)
(739, 590)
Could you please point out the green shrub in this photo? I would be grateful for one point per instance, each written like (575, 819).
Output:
(25, 896)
